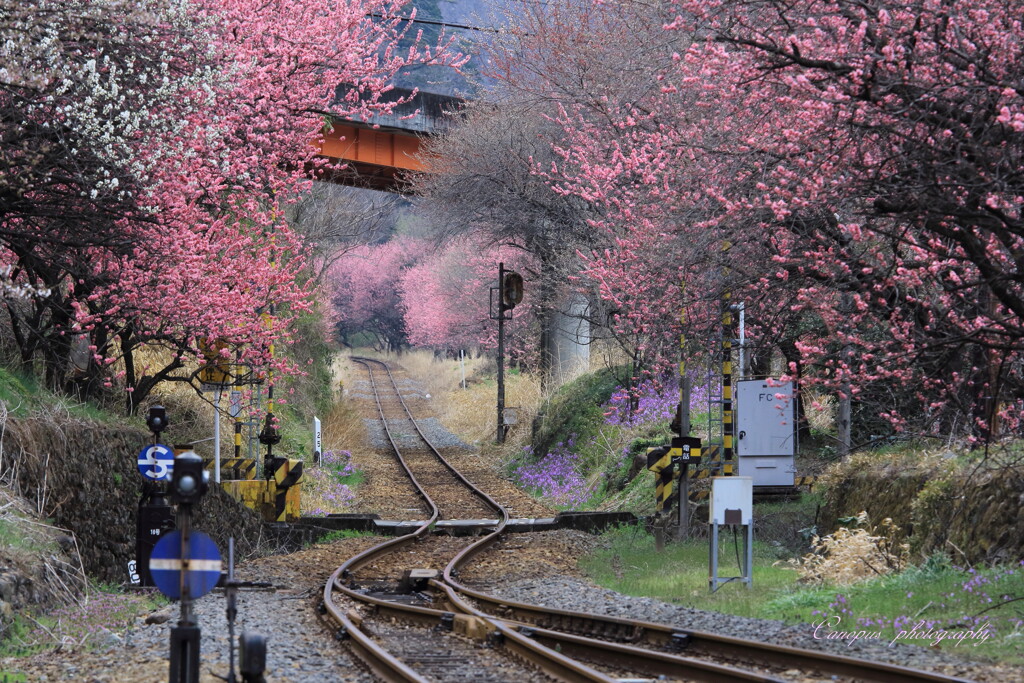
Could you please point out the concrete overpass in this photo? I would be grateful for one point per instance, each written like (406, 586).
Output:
(379, 157)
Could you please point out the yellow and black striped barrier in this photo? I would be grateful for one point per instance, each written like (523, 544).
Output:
(286, 473)
(711, 456)
(659, 461)
(273, 502)
(256, 494)
(276, 499)
(233, 468)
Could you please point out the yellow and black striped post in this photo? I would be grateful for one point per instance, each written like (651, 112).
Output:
(270, 393)
(286, 473)
(684, 387)
(727, 452)
(659, 461)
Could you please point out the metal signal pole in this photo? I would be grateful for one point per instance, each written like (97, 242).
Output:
(509, 293)
(501, 353)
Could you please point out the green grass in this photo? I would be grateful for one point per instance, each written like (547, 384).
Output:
(15, 536)
(574, 411)
(108, 608)
(938, 594)
(942, 596)
(628, 563)
(22, 394)
(352, 481)
(341, 534)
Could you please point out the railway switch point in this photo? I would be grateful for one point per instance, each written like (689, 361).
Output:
(415, 580)
(473, 627)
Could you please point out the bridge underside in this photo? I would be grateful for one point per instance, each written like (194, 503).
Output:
(378, 159)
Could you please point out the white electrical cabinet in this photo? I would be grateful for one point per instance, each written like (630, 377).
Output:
(730, 495)
(766, 431)
(732, 503)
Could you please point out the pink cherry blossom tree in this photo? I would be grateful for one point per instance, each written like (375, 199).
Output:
(202, 117)
(447, 298)
(366, 291)
(859, 161)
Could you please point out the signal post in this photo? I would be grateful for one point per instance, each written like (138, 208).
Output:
(508, 293)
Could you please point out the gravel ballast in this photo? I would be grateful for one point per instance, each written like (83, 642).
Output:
(301, 649)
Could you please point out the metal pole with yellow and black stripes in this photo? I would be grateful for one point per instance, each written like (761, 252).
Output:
(659, 461)
(727, 427)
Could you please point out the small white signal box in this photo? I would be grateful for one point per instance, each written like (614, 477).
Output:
(732, 500)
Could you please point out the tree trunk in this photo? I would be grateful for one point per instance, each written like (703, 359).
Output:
(792, 356)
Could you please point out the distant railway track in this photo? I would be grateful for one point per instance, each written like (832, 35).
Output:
(402, 609)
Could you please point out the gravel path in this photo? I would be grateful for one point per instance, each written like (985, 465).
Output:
(300, 649)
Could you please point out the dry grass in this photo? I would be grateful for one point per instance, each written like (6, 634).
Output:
(33, 545)
(439, 376)
(343, 429)
(852, 555)
(190, 414)
(470, 413)
(821, 411)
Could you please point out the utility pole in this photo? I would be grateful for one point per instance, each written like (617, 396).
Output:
(685, 449)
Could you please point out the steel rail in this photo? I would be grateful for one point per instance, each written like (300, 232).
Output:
(503, 514)
(541, 646)
(714, 644)
(377, 659)
(633, 658)
(388, 666)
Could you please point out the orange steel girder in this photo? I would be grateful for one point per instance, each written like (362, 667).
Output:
(375, 158)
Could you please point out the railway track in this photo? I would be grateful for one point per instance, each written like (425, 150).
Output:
(401, 608)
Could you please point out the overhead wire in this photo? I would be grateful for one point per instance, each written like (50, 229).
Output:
(445, 24)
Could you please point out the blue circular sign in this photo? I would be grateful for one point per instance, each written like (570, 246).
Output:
(201, 566)
(156, 462)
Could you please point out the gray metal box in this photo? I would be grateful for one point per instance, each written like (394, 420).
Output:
(766, 431)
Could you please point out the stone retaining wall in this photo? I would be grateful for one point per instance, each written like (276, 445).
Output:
(83, 476)
(971, 513)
